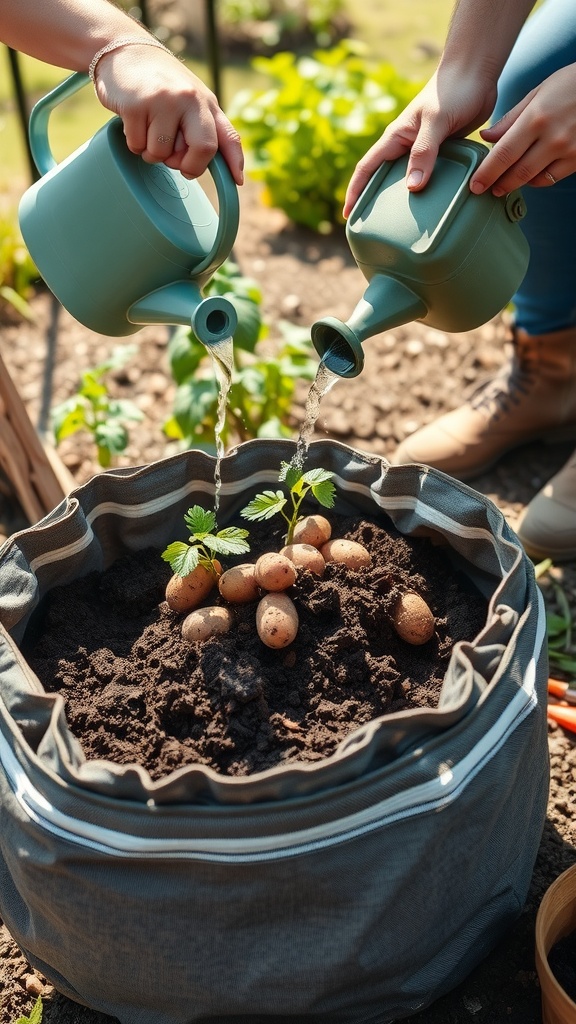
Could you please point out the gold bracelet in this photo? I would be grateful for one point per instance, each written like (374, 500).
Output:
(122, 41)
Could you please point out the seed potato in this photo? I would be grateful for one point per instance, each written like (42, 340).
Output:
(186, 592)
(276, 620)
(413, 620)
(203, 623)
(350, 552)
(315, 530)
(274, 571)
(305, 556)
(238, 585)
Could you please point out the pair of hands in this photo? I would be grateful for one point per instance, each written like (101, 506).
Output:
(533, 141)
(158, 98)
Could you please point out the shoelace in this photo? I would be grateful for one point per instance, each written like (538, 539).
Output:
(497, 396)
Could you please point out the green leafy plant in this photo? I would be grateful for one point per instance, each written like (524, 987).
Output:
(306, 133)
(35, 1014)
(93, 409)
(561, 651)
(17, 271)
(278, 17)
(205, 541)
(263, 384)
(315, 482)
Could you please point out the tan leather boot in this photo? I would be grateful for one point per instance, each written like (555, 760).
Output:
(547, 527)
(533, 398)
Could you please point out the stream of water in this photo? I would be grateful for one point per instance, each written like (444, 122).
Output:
(222, 355)
(321, 385)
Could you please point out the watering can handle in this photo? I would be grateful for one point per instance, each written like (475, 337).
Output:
(226, 191)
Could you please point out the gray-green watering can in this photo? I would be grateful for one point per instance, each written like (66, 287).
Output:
(122, 243)
(444, 256)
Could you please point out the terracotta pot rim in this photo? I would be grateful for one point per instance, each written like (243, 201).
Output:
(545, 972)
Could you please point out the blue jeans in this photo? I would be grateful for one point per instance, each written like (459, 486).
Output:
(546, 300)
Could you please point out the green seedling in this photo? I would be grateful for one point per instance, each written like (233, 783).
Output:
(265, 373)
(17, 271)
(204, 543)
(559, 625)
(92, 409)
(35, 1014)
(315, 482)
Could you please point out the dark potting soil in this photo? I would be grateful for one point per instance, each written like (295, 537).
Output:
(136, 692)
(562, 961)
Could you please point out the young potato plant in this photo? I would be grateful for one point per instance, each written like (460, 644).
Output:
(301, 485)
(194, 564)
(35, 1014)
(93, 409)
(263, 384)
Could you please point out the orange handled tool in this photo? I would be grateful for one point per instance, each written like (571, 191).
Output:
(562, 709)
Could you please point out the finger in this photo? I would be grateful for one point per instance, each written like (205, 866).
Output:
(495, 131)
(551, 175)
(160, 140)
(420, 165)
(135, 132)
(384, 149)
(230, 145)
(511, 163)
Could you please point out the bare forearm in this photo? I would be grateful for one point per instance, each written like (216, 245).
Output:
(482, 34)
(66, 33)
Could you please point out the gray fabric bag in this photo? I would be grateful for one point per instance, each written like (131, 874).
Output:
(356, 889)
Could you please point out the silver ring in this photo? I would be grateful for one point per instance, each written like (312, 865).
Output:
(165, 138)
(550, 177)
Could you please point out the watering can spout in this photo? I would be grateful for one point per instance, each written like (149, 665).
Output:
(212, 319)
(386, 303)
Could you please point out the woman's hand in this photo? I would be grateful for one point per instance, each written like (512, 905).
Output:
(170, 116)
(535, 142)
(452, 103)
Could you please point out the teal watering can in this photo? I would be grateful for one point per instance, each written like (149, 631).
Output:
(122, 243)
(444, 256)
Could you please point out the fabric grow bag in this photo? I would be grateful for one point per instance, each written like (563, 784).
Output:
(356, 889)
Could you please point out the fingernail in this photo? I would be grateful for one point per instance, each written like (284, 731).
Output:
(477, 187)
(414, 179)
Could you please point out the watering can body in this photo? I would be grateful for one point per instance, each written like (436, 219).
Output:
(444, 256)
(123, 243)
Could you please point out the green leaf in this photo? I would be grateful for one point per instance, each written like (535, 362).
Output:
(182, 557)
(325, 493)
(68, 418)
(11, 296)
(35, 1014)
(231, 541)
(290, 474)
(264, 505)
(556, 624)
(200, 521)
(316, 476)
(249, 327)
(185, 353)
(123, 409)
(111, 435)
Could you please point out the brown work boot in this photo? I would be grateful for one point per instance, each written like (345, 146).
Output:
(547, 528)
(532, 398)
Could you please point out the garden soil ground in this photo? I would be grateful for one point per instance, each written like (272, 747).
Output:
(411, 375)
